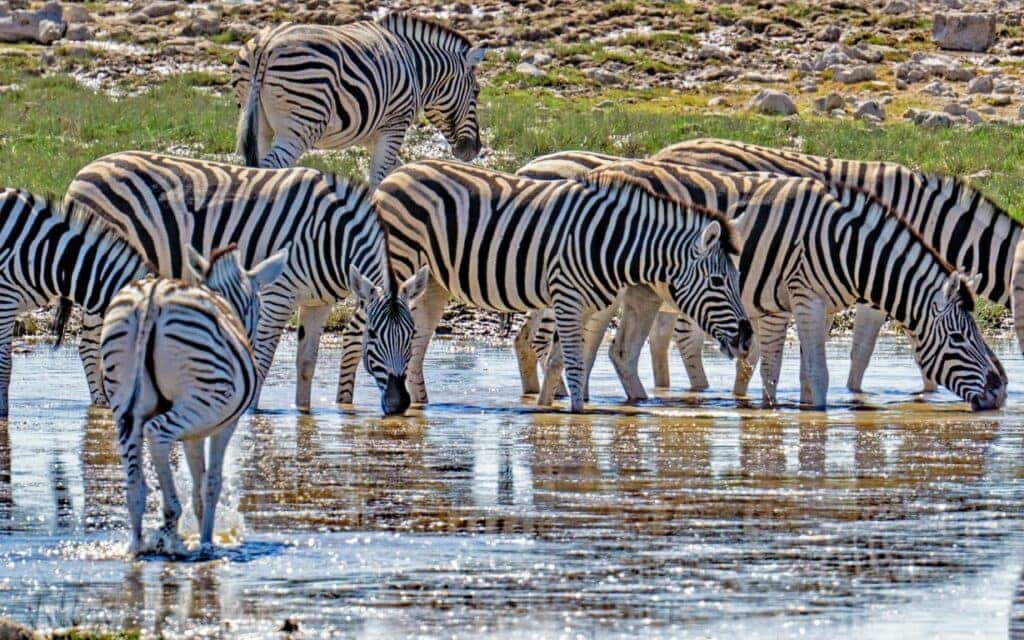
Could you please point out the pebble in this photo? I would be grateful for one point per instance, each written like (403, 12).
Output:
(772, 102)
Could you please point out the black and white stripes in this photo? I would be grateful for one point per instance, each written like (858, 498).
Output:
(304, 86)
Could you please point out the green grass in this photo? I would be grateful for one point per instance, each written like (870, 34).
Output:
(51, 127)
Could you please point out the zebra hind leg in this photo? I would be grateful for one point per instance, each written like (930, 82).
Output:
(213, 482)
(195, 452)
(89, 352)
(771, 334)
(385, 151)
(426, 312)
(811, 327)
(162, 432)
(593, 335)
(570, 318)
(639, 309)
(311, 326)
(526, 357)
(6, 337)
(351, 349)
(867, 322)
(660, 339)
(129, 439)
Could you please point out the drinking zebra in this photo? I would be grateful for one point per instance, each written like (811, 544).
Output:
(178, 364)
(810, 250)
(304, 86)
(510, 244)
(49, 252)
(162, 205)
(969, 230)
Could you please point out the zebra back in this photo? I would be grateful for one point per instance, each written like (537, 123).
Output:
(968, 229)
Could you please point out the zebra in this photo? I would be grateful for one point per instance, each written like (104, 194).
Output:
(510, 244)
(809, 250)
(52, 253)
(163, 204)
(969, 230)
(303, 86)
(178, 364)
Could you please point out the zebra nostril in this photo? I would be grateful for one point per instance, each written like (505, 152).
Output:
(993, 381)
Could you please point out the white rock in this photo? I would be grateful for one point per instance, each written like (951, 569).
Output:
(828, 103)
(869, 109)
(895, 7)
(955, 109)
(964, 31)
(850, 75)
(981, 84)
(527, 69)
(770, 101)
(161, 9)
(76, 13)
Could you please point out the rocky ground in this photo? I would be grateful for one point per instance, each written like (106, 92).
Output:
(874, 59)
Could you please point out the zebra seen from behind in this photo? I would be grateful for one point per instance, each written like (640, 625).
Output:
(304, 86)
(809, 250)
(510, 244)
(163, 204)
(970, 231)
(178, 365)
(49, 253)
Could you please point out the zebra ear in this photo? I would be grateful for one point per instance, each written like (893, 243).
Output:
(365, 291)
(951, 287)
(269, 270)
(475, 56)
(195, 267)
(414, 286)
(711, 234)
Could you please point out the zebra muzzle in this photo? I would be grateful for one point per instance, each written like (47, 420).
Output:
(396, 399)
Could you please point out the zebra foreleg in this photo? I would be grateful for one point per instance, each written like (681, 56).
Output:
(689, 339)
(6, 337)
(553, 368)
(213, 481)
(660, 339)
(312, 319)
(745, 365)
(771, 334)
(927, 385)
(426, 313)
(570, 318)
(351, 349)
(640, 306)
(89, 352)
(195, 453)
(385, 152)
(811, 327)
(867, 322)
(526, 357)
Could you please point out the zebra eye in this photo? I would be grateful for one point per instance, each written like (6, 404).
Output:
(371, 333)
(717, 281)
(956, 336)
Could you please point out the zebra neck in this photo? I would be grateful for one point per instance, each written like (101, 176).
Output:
(90, 269)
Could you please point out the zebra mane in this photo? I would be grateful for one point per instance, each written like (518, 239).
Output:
(221, 252)
(642, 175)
(425, 30)
(352, 189)
(965, 292)
(84, 220)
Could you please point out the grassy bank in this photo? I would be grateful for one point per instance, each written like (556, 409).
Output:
(51, 126)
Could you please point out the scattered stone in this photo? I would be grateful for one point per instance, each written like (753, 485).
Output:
(528, 69)
(138, 18)
(711, 52)
(772, 102)
(76, 13)
(203, 23)
(964, 31)
(896, 7)
(541, 59)
(828, 103)
(1020, 112)
(955, 109)
(778, 30)
(746, 45)
(850, 75)
(161, 9)
(43, 25)
(718, 101)
(1000, 100)
(910, 72)
(981, 84)
(79, 32)
(933, 119)
(604, 104)
(973, 116)
(829, 33)
(869, 109)
(936, 88)
(764, 78)
(602, 76)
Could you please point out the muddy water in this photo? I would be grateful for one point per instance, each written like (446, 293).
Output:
(480, 517)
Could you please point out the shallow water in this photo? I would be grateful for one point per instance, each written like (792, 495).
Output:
(684, 516)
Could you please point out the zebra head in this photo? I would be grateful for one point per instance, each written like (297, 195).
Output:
(225, 275)
(387, 338)
(708, 290)
(451, 107)
(950, 349)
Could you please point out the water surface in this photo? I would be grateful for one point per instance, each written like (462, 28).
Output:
(685, 516)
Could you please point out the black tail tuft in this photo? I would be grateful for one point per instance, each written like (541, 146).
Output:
(248, 128)
(60, 319)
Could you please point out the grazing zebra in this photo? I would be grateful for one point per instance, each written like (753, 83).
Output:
(178, 364)
(968, 230)
(163, 204)
(810, 250)
(49, 252)
(510, 244)
(303, 86)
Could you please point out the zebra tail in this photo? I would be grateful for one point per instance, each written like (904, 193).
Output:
(136, 361)
(249, 123)
(60, 319)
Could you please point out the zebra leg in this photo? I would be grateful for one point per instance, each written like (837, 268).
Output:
(351, 350)
(689, 339)
(745, 366)
(161, 433)
(312, 319)
(593, 335)
(867, 322)
(291, 143)
(639, 309)
(213, 482)
(129, 440)
(89, 352)
(426, 313)
(810, 325)
(526, 357)
(553, 368)
(570, 318)
(195, 453)
(771, 334)
(660, 339)
(385, 152)
(6, 337)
